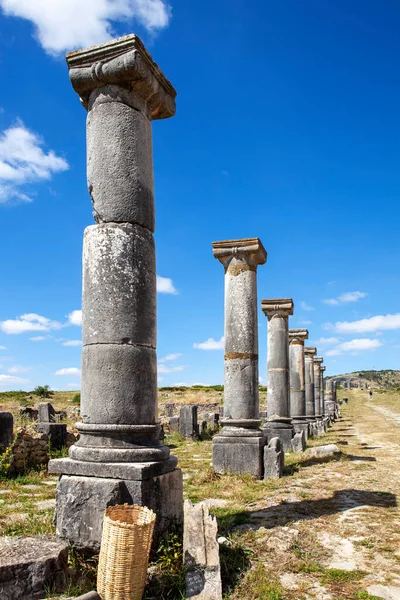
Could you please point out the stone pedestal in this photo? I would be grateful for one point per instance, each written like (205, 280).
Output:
(6, 430)
(119, 456)
(279, 424)
(330, 404)
(309, 353)
(297, 398)
(238, 448)
(188, 421)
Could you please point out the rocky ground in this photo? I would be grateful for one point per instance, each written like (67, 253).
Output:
(329, 529)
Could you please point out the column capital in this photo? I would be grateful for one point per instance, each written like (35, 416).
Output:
(323, 369)
(249, 250)
(277, 306)
(297, 336)
(318, 360)
(310, 351)
(126, 63)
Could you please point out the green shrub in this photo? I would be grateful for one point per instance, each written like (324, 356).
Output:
(43, 391)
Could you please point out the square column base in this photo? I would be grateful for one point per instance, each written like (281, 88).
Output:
(239, 455)
(81, 502)
(300, 426)
(283, 431)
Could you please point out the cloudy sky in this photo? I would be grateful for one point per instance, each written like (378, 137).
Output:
(287, 128)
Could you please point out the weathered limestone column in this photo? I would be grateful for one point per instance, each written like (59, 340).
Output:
(279, 423)
(322, 390)
(309, 353)
(297, 380)
(317, 361)
(330, 403)
(119, 456)
(239, 446)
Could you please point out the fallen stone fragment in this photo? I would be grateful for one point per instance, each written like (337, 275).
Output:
(31, 566)
(387, 592)
(201, 553)
(274, 459)
(328, 450)
(88, 596)
(299, 442)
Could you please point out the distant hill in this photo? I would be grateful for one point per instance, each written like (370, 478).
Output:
(387, 379)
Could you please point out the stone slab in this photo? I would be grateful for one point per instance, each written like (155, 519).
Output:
(56, 432)
(239, 455)
(6, 429)
(327, 450)
(201, 553)
(131, 471)
(31, 566)
(284, 433)
(299, 442)
(274, 459)
(386, 592)
(46, 412)
(81, 502)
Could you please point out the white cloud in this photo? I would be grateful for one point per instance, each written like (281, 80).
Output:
(165, 285)
(164, 369)
(70, 24)
(73, 386)
(28, 322)
(377, 323)
(345, 298)
(69, 371)
(210, 344)
(22, 161)
(169, 357)
(39, 338)
(305, 322)
(355, 346)
(75, 317)
(326, 341)
(7, 380)
(305, 306)
(3, 348)
(72, 343)
(18, 369)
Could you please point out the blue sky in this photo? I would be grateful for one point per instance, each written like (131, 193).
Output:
(287, 128)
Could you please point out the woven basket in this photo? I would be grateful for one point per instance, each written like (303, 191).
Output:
(124, 553)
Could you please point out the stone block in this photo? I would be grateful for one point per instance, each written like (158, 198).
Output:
(169, 409)
(88, 596)
(125, 393)
(29, 413)
(119, 262)
(81, 502)
(30, 567)
(299, 442)
(201, 553)
(188, 424)
(281, 430)
(56, 433)
(6, 430)
(274, 459)
(46, 412)
(238, 455)
(327, 450)
(174, 424)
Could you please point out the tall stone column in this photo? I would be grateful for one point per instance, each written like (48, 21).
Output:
(239, 446)
(309, 353)
(322, 390)
(297, 380)
(119, 456)
(317, 361)
(329, 399)
(279, 424)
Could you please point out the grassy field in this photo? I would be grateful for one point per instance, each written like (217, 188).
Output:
(327, 530)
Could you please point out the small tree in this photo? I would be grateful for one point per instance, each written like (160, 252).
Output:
(43, 391)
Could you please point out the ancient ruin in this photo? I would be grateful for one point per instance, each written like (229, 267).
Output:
(298, 413)
(119, 456)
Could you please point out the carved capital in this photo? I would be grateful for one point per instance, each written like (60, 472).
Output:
(310, 352)
(318, 360)
(298, 335)
(123, 62)
(277, 307)
(248, 252)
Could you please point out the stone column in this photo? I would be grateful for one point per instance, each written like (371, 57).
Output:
(317, 361)
(119, 456)
(279, 423)
(297, 380)
(322, 390)
(329, 399)
(309, 353)
(239, 446)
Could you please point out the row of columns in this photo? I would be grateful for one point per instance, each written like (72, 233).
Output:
(296, 399)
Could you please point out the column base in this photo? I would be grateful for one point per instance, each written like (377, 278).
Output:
(85, 490)
(282, 429)
(239, 453)
(300, 424)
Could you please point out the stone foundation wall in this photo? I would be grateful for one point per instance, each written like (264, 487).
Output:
(29, 449)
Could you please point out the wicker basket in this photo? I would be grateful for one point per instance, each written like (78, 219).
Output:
(124, 553)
